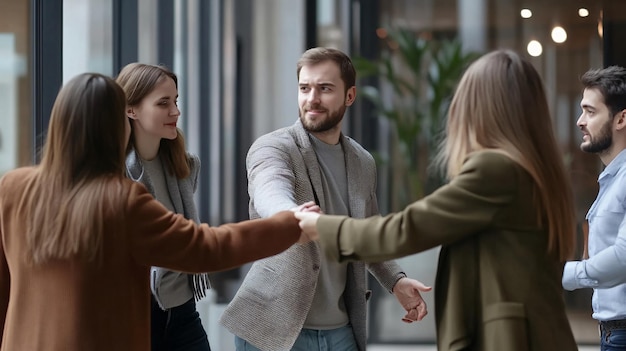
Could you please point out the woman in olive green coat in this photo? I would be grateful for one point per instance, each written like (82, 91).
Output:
(505, 220)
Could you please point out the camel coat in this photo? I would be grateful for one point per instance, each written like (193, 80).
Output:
(497, 288)
(74, 304)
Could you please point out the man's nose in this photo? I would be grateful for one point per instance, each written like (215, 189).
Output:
(314, 96)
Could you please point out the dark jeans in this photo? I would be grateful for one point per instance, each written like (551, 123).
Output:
(613, 336)
(178, 329)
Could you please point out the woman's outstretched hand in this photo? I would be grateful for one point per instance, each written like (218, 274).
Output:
(308, 224)
(308, 207)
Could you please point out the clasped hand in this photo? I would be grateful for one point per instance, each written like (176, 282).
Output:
(307, 214)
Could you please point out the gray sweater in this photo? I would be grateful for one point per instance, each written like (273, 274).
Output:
(166, 284)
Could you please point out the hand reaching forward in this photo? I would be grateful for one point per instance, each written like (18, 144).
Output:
(308, 224)
(306, 208)
(407, 292)
(309, 206)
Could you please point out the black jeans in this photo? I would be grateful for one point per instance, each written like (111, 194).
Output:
(178, 328)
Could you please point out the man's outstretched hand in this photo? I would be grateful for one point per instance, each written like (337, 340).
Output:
(407, 292)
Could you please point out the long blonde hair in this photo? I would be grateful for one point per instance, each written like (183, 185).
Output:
(500, 104)
(138, 80)
(79, 181)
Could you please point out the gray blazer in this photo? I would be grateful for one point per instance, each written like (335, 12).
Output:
(274, 299)
(181, 192)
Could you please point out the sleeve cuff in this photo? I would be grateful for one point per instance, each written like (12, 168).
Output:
(569, 276)
(575, 276)
(399, 276)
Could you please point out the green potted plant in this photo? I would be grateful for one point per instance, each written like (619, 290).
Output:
(417, 79)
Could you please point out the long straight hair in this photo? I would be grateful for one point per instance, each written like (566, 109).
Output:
(79, 180)
(500, 104)
(138, 80)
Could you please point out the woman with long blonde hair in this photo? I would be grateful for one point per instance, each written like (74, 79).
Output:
(505, 220)
(78, 237)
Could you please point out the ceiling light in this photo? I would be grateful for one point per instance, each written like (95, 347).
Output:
(534, 48)
(558, 34)
(583, 12)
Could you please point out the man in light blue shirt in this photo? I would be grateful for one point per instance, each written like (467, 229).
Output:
(603, 124)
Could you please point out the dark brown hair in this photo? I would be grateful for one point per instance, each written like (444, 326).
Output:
(611, 82)
(79, 180)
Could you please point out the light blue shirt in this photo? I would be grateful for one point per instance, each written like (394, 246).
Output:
(605, 270)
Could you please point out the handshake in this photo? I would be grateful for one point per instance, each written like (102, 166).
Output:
(307, 214)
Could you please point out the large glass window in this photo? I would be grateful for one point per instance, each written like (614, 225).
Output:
(87, 37)
(15, 98)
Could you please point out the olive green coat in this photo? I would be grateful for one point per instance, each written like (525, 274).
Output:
(496, 288)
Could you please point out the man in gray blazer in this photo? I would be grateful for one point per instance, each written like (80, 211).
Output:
(298, 300)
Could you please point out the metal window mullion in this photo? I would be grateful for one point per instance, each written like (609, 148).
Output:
(165, 28)
(216, 110)
(205, 108)
(125, 33)
(243, 111)
(47, 64)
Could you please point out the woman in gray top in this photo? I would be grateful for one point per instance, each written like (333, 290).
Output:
(157, 158)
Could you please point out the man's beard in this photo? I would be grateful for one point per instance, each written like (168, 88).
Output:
(334, 117)
(602, 143)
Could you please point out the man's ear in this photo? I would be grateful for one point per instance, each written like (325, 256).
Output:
(620, 120)
(130, 112)
(350, 95)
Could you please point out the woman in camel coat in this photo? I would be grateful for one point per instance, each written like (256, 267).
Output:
(78, 238)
